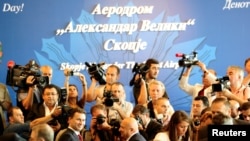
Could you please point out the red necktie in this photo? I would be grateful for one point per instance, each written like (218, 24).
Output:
(201, 92)
(80, 137)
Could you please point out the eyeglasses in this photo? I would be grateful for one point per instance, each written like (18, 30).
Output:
(52, 94)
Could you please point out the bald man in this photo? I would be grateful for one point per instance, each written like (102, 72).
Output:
(234, 105)
(42, 132)
(129, 130)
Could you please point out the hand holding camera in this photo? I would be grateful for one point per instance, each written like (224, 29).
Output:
(30, 80)
(100, 123)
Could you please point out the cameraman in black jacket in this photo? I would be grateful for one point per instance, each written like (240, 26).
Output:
(99, 128)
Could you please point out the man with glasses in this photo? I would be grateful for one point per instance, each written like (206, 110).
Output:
(50, 106)
(26, 98)
(148, 126)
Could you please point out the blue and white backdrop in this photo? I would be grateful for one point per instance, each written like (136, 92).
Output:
(63, 33)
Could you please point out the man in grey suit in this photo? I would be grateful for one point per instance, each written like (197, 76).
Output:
(76, 122)
(219, 105)
(129, 130)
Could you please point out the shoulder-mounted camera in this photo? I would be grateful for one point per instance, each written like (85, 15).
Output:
(187, 60)
(17, 75)
(141, 69)
(96, 71)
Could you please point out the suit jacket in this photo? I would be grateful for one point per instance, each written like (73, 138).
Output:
(38, 111)
(203, 132)
(152, 129)
(137, 137)
(68, 135)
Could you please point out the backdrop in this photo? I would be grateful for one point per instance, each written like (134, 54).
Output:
(66, 34)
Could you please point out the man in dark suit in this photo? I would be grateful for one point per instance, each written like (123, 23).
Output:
(148, 127)
(219, 105)
(50, 106)
(129, 130)
(77, 118)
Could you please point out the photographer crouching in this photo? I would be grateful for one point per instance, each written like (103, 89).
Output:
(99, 128)
(115, 102)
(105, 122)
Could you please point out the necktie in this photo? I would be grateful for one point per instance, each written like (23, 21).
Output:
(80, 137)
(201, 92)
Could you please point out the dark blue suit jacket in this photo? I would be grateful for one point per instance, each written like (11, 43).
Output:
(137, 137)
(68, 135)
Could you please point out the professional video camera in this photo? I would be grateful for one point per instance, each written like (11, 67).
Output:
(223, 83)
(17, 75)
(187, 60)
(96, 71)
(109, 99)
(138, 69)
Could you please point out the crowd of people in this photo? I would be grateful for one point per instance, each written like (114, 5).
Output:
(47, 113)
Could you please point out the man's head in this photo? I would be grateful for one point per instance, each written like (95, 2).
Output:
(112, 74)
(163, 106)
(47, 71)
(247, 65)
(42, 132)
(98, 110)
(245, 111)
(235, 105)
(208, 78)
(128, 127)
(50, 94)
(235, 74)
(77, 119)
(141, 113)
(199, 103)
(15, 115)
(118, 91)
(154, 68)
(220, 105)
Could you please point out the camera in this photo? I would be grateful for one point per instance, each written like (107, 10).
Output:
(100, 119)
(197, 122)
(96, 71)
(115, 125)
(187, 60)
(109, 99)
(141, 69)
(223, 83)
(63, 96)
(17, 75)
(69, 72)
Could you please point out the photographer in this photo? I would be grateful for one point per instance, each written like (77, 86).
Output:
(26, 98)
(204, 89)
(236, 90)
(49, 106)
(72, 90)
(96, 90)
(99, 128)
(140, 88)
(118, 108)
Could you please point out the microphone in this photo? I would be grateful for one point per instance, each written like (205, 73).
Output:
(179, 55)
(10, 64)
